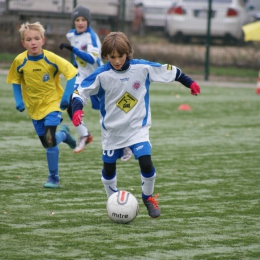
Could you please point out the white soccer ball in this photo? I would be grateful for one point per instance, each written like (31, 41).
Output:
(122, 207)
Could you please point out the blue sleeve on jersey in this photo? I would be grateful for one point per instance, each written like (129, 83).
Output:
(145, 62)
(67, 93)
(93, 36)
(84, 56)
(94, 102)
(183, 79)
(76, 104)
(18, 97)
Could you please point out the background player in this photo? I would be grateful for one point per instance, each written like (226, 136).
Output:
(34, 75)
(86, 48)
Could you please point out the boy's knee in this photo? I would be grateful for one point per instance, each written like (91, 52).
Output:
(50, 138)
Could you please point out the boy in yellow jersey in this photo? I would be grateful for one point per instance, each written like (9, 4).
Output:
(34, 75)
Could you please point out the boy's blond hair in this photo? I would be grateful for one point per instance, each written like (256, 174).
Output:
(116, 41)
(31, 26)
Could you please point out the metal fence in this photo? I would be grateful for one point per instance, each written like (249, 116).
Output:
(149, 41)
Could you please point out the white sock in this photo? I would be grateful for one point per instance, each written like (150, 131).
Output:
(82, 130)
(110, 185)
(148, 185)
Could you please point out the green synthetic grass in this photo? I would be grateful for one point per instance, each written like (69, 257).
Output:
(207, 163)
(7, 57)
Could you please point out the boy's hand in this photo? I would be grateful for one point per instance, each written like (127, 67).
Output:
(67, 46)
(194, 88)
(77, 117)
(20, 107)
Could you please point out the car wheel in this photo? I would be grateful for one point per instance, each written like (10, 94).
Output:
(178, 38)
(229, 40)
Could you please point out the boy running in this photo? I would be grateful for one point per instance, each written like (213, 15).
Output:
(34, 75)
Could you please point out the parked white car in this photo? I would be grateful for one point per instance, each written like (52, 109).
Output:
(188, 18)
(154, 12)
(253, 6)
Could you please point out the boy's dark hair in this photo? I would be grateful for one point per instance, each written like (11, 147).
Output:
(116, 41)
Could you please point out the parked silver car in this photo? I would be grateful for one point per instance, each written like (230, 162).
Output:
(188, 18)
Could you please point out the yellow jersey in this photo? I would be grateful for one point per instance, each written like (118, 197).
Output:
(39, 77)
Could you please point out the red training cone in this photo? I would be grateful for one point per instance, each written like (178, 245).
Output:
(184, 107)
(257, 91)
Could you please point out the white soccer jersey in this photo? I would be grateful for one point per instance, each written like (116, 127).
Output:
(124, 100)
(87, 42)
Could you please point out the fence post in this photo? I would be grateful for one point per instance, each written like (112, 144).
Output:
(206, 75)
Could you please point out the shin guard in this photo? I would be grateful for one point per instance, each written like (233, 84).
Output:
(148, 183)
(109, 185)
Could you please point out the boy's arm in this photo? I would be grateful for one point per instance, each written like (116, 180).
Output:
(18, 97)
(77, 113)
(65, 100)
(187, 82)
(84, 56)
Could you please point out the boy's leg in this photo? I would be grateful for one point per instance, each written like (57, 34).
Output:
(52, 155)
(50, 140)
(108, 173)
(67, 137)
(109, 182)
(142, 152)
(84, 137)
(148, 181)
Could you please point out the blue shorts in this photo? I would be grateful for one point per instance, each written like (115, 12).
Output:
(139, 149)
(52, 119)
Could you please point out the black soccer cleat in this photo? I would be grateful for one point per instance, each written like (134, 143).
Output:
(152, 206)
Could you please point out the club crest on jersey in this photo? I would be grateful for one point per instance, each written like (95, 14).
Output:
(45, 77)
(84, 47)
(126, 102)
(136, 85)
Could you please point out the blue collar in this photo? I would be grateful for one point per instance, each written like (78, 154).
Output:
(35, 58)
(125, 66)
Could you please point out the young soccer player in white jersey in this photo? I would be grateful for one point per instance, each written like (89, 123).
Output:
(86, 48)
(34, 75)
(122, 86)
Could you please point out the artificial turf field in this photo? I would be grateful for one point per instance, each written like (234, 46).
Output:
(208, 169)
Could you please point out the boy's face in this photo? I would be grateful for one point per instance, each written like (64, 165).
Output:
(116, 60)
(33, 42)
(81, 24)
